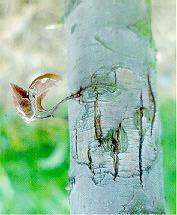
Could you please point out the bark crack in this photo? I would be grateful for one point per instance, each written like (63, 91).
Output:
(141, 138)
(97, 121)
(90, 163)
(115, 150)
(152, 100)
(76, 147)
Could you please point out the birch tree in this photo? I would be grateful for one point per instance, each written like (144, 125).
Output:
(115, 152)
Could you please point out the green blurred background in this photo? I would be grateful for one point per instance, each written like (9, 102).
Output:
(34, 158)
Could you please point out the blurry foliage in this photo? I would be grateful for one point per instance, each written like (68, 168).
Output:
(32, 178)
(34, 161)
(168, 121)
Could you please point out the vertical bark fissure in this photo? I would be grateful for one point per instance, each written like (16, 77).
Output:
(97, 122)
(141, 139)
(152, 100)
(90, 162)
(115, 150)
(76, 147)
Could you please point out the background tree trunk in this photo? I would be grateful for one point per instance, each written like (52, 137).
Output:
(115, 152)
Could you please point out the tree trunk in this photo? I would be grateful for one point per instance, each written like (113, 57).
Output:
(115, 152)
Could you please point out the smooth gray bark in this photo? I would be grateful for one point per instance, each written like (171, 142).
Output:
(115, 152)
